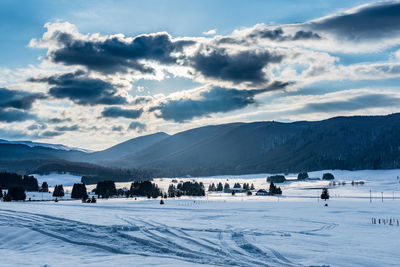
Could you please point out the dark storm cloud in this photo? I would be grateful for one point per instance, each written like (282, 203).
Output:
(37, 127)
(116, 112)
(117, 128)
(137, 126)
(49, 134)
(59, 120)
(380, 20)
(115, 55)
(67, 128)
(217, 99)
(305, 35)
(278, 35)
(355, 103)
(15, 115)
(18, 99)
(244, 66)
(81, 89)
(141, 100)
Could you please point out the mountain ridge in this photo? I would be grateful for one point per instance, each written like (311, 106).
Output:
(354, 142)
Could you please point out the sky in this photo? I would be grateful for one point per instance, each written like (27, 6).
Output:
(91, 74)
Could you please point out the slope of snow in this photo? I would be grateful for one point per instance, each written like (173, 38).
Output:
(54, 179)
(295, 229)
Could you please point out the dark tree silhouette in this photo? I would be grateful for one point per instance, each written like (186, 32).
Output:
(16, 193)
(58, 191)
(171, 190)
(191, 189)
(328, 176)
(325, 194)
(30, 183)
(145, 188)
(274, 190)
(220, 187)
(212, 187)
(79, 191)
(276, 179)
(13, 179)
(44, 187)
(226, 187)
(237, 185)
(106, 189)
(302, 176)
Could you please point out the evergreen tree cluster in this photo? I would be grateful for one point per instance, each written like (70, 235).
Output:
(187, 189)
(58, 191)
(302, 176)
(173, 192)
(328, 176)
(237, 185)
(274, 190)
(28, 182)
(44, 187)
(105, 189)
(191, 188)
(215, 188)
(79, 191)
(15, 193)
(276, 179)
(145, 188)
(247, 186)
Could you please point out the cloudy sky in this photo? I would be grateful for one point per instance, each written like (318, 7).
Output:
(94, 73)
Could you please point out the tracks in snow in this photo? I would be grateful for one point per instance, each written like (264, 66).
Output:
(147, 238)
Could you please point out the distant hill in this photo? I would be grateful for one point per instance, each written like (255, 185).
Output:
(123, 149)
(21, 151)
(358, 142)
(31, 157)
(36, 144)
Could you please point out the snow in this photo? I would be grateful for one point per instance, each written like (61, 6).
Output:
(295, 229)
(54, 179)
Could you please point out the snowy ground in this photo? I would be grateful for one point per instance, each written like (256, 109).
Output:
(295, 229)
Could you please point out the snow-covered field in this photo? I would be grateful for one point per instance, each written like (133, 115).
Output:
(295, 229)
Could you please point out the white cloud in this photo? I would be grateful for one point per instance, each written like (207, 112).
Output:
(210, 32)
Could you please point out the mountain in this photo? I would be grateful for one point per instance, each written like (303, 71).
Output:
(123, 149)
(358, 142)
(22, 151)
(27, 156)
(36, 144)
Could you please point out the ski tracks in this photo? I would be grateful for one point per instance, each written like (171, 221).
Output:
(143, 237)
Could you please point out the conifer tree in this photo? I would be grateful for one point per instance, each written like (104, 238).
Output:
(325, 194)
(220, 187)
(44, 187)
(58, 191)
(79, 191)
